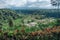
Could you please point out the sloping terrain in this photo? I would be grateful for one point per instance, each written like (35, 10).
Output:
(6, 13)
(16, 25)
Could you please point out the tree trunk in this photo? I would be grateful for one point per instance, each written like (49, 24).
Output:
(58, 10)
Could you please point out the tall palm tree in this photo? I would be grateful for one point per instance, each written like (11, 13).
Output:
(56, 3)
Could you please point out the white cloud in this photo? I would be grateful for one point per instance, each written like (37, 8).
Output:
(32, 0)
(16, 2)
(22, 3)
(42, 4)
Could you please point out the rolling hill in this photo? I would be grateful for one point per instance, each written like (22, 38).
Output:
(6, 13)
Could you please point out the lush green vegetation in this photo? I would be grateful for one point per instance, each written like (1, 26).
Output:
(18, 25)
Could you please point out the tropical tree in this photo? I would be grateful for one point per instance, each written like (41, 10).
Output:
(10, 22)
(56, 3)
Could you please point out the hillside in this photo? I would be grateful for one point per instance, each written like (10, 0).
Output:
(29, 24)
(6, 13)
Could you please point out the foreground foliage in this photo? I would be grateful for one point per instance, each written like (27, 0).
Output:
(46, 34)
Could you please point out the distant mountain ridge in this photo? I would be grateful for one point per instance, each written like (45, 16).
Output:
(48, 12)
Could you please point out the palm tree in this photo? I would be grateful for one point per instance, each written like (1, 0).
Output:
(56, 3)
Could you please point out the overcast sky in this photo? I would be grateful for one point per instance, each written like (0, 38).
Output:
(25, 3)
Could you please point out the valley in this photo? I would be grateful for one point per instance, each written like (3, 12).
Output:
(13, 22)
